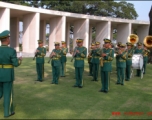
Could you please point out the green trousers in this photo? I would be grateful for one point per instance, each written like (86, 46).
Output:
(40, 71)
(138, 72)
(105, 80)
(6, 90)
(55, 74)
(128, 72)
(95, 71)
(120, 75)
(90, 69)
(63, 69)
(78, 75)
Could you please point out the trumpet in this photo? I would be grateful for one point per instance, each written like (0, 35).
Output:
(148, 41)
(133, 39)
(51, 56)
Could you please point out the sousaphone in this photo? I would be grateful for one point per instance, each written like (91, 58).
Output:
(148, 41)
(132, 38)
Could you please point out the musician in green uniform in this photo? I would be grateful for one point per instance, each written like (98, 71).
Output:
(8, 60)
(56, 63)
(40, 53)
(130, 53)
(63, 59)
(145, 55)
(107, 55)
(116, 51)
(89, 60)
(139, 50)
(80, 54)
(121, 68)
(96, 53)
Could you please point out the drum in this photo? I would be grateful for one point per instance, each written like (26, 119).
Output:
(137, 61)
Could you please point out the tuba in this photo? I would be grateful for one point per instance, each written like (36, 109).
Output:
(148, 41)
(132, 38)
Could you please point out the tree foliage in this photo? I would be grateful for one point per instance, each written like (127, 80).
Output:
(105, 8)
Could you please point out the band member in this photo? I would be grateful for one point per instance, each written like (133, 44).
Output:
(56, 63)
(121, 68)
(63, 59)
(116, 51)
(80, 54)
(129, 60)
(96, 53)
(8, 60)
(139, 50)
(107, 55)
(89, 60)
(145, 55)
(40, 53)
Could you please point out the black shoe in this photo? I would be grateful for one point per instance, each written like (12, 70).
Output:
(92, 80)
(117, 83)
(80, 86)
(75, 86)
(101, 90)
(105, 91)
(122, 84)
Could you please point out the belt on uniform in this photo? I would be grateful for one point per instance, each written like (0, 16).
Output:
(6, 66)
(79, 58)
(39, 56)
(106, 61)
(96, 57)
(55, 58)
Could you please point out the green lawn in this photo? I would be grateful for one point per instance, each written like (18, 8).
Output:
(42, 100)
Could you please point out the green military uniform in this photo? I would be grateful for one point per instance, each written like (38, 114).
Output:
(79, 64)
(121, 66)
(40, 61)
(96, 53)
(89, 61)
(56, 63)
(8, 60)
(130, 53)
(139, 51)
(63, 60)
(145, 55)
(116, 51)
(107, 67)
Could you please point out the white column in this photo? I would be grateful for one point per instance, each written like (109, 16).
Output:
(142, 32)
(68, 36)
(90, 35)
(14, 32)
(81, 31)
(43, 31)
(4, 19)
(31, 23)
(57, 31)
(103, 30)
(123, 31)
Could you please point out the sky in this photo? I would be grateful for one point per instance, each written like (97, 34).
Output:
(142, 8)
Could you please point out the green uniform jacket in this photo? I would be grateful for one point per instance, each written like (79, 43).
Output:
(40, 55)
(79, 57)
(63, 54)
(129, 58)
(56, 61)
(145, 55)
(107, 59)
(139, 51)
(122, 59)
(96, 55)
(8, 57)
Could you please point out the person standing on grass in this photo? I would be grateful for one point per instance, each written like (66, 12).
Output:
(40, 53)
(63, 59)
(55, 63)
(107, 55)
(80, 54)
(8, 60)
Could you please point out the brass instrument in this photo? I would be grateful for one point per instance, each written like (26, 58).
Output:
(148, 41)
(51, 56)
(133, 39)
(35, 55)
(74, 54)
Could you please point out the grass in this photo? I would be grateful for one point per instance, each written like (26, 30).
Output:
(36, 100)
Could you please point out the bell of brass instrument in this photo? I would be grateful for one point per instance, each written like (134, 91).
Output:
(133, 39)
(148, 41)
